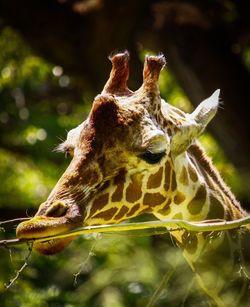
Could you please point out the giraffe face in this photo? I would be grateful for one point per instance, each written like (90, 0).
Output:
(121, 158)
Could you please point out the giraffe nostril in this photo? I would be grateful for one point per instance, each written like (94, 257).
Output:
(57, 209)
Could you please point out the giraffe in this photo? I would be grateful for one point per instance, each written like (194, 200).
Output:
(137, 154)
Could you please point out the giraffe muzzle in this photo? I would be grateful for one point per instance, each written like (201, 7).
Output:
(58, 219)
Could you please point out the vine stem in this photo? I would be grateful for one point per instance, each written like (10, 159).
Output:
(169, 225)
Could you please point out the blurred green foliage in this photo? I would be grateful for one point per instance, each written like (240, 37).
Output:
(39, 104)
(36, 99)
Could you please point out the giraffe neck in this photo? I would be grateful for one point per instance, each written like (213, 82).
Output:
(196, 191)
(189, 188)
(206, 195)
(215, 258)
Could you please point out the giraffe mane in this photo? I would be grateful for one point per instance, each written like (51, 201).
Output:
(198, 152)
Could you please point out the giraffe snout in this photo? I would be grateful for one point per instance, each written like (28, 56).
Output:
(56, 219)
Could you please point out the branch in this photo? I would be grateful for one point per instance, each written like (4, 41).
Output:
(14, 220)
(14, 279)
(169, 225)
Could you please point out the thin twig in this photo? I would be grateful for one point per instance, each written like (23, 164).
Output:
(171, 225)
(14, 279)
(90, 254)
(21, 219)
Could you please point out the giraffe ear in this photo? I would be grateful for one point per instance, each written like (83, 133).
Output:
(207, 109)
(195, 124)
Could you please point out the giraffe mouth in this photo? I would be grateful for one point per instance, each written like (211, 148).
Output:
(42, 226)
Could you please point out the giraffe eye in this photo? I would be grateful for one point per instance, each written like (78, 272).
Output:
(152, 158)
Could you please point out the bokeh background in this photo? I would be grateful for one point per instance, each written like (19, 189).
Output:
(53, 62)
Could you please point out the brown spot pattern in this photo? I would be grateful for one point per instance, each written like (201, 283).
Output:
(166, 209)
(216, 209)
(121, 213)
(118, 193)
(133, 191)
(133, 210)
(120, 178)
(107, 214)
(189, 242)
(119, 181)
(153, 199)
(167, 176)
(184, 176)
(192, 173)
(179, 198)
(173, 181)
(154, 181)
(196, 204)
(104, 186)
(99, 203)
(145, 210)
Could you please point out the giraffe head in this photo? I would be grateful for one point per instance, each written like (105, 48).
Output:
(121, 156)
